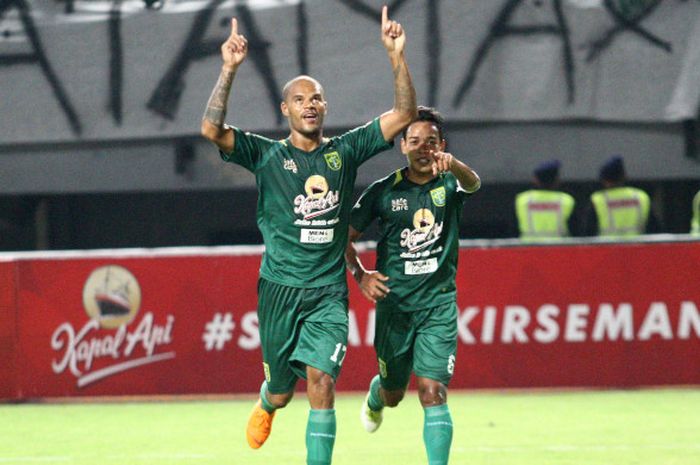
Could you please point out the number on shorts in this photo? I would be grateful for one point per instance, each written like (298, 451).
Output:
(451, 364)
(338, 347)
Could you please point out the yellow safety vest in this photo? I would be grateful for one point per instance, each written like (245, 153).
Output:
(621, 211)
(543, 214)
(695, 223)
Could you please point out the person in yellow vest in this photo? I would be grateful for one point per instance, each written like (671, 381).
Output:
(695, 222)
(545, 213)
(618, 210)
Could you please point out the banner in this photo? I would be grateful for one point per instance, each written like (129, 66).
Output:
(105, 70)
(184, 322)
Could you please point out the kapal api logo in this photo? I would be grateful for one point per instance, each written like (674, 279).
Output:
(112, 338)
(425, 231)
(319, 199)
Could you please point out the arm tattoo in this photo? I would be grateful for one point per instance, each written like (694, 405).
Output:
(404, 93)
(216, 106)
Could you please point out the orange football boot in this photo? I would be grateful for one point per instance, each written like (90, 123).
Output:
(259, 426)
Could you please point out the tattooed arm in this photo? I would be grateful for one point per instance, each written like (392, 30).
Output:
(233, 52)
(404, 111)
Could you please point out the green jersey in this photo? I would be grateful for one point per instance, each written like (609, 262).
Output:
(419, 237)
(304, 201)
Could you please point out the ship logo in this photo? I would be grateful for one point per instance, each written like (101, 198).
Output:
(423, 220)
(112, 296)
(316, 187)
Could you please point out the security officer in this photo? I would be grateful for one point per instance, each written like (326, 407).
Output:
(618, 210)
(544, 212)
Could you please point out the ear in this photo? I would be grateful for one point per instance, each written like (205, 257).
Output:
(443, 144)
(284, 108)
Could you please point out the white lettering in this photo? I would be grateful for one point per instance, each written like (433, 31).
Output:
(576, 321)
(250, 339)
(81, 351)
(353, 330)
(689, 317)
(610, 323)
(549, 328)
(656, 322)
(463, 325)
(515, 320)
(371, 325)
(488, 327)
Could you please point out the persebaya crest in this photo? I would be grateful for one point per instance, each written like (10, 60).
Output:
(438, 196)
(333, 160)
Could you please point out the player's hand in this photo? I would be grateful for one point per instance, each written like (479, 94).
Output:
(235, 49)
(442, 162)
(373, 287)
(393, 36)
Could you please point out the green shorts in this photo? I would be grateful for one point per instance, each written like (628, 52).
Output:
(300, 327)
(423, 342)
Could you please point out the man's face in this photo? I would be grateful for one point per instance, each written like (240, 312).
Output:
(305, 107)
(422, 140)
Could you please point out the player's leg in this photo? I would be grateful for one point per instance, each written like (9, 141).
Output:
(321, 423)
(434, 360)
(276, 324)
(392, 343)
(320, 350)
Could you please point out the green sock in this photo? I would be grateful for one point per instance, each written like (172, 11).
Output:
(320, 437)
(266, 405)
(437, 434)
(375, 400)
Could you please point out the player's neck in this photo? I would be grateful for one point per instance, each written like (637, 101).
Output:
(306, 142)
(418, 178)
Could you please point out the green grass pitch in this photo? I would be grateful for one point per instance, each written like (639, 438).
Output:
(631, 427)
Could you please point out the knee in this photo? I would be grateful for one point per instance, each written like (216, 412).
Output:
(392, 398)
(432, 393)
(280, 400)
(322, 384)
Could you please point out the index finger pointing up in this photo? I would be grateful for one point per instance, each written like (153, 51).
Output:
(234, 27)
(385, 15)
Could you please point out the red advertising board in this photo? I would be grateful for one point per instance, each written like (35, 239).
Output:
(180, 322)
(8, 331)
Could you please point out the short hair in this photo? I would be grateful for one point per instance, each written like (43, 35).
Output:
(303, 77)
(430, 115)
(613, 169)
(547, 172)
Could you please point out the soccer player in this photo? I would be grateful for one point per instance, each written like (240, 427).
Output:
(305, 184)
(419, 209)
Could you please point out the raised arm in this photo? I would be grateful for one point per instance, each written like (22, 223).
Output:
(233, 52)
(371, 282)
(466, 176)
(395, 120)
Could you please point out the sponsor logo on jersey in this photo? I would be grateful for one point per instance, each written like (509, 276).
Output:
(319, 199)
(425, 231)
(333, 160)
(289, 165)
(399, 204)
(438, 196)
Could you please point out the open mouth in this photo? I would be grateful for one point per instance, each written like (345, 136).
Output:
(310, 117)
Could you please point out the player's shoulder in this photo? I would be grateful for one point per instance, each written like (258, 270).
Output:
(389, 181)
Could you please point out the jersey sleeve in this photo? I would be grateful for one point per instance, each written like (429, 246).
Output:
(247, 150)
(456, 190)
(366, 141)
(365, 209)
